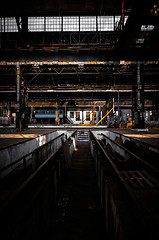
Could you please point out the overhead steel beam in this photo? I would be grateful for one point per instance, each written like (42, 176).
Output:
(81, 91)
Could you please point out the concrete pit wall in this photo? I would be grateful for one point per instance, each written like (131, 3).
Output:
(17, 151)
(34, 210)
(121, 217)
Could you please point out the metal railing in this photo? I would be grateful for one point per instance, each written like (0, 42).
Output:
(48, 148)
(124, 152)
(96, 145)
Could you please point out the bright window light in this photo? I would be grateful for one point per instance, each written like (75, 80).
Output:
(70, 24)
(147, 28)
(67, 24)
(53, 24)
(36, 24)
(10, 24)
(105, 23)
(118, 18)
(1, 24)
(88, 23)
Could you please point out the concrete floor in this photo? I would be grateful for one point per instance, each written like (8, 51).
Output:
(9, 137)
(150, 137)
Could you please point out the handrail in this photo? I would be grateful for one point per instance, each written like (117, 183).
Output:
(156, 171)
(28, 180)
(112, 109)
(134, 197)
(24, 157)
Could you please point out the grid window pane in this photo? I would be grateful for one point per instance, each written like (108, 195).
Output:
(105, 23)
(147, 28)
(71, 114)
(88, 23)
(125, 19)
(70, 24)
(78, 116)
(87, 116)
(1, 24)
(53, 24)
(36, 24)
(118, 18)
(10, 24)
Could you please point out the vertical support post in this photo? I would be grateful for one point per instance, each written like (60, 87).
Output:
(113, 105)
(25, 31)
(31, 114)
(156, 104)
(122, 16)
(18, 118)
(118, 106)
(57, 114)
(99, 114)
(138, 113)
(65, 115)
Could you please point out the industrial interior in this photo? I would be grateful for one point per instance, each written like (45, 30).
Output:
(79, 119)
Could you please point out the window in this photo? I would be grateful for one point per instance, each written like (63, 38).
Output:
(88, 23)
(125, 19)
(36, 24)
(87, 116)
(105, 23)
(70, 24)
(10, 24)
(67, 23)
(71, 114)
(1, 24)
(78, 116)
(94, 116)
(147, 28)
(53, 24)
(118, 19)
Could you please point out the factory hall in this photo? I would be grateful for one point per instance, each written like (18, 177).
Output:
(79, 120)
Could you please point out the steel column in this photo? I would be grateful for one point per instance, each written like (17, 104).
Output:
(57, 120)
(17, 106)
(139, 109)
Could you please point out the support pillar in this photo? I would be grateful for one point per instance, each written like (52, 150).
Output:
(17, 105)
(118, 107)
(139, 100)
(25, 31)
(57, 120)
